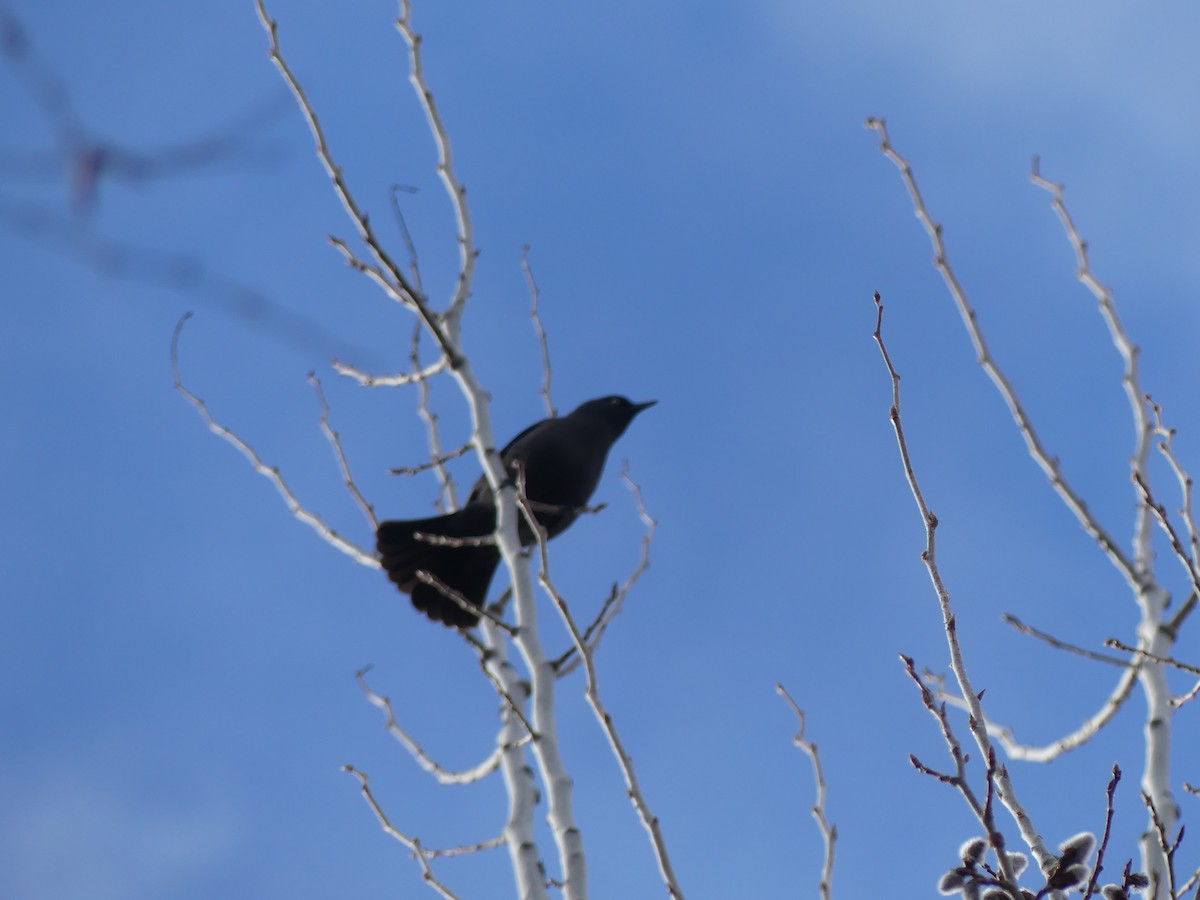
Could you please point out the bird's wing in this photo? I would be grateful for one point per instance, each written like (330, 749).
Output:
(512, 450)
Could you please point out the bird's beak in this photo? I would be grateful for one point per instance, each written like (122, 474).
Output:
(638, 407)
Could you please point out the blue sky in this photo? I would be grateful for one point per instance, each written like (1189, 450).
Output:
(708, 219)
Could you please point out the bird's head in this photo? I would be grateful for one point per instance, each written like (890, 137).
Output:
(616, 412)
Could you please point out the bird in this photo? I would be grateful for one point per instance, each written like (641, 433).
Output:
(561, 458)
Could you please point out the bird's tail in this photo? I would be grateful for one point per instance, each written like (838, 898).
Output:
(465, 569)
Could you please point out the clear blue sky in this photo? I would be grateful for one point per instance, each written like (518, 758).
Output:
(708, 219)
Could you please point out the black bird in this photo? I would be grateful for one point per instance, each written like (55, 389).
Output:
(562, 459)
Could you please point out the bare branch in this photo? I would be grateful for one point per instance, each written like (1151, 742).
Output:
(335, 442)
(1166, 447)
(1061, 645)
(413, 268)
(454, 596)
(616, 598)
(426, 762)
(613, 603)
(1108, 817)
(1164, 521)
(1165, 844)
(535, 315)
(1164, 660)
(1143, 553)
(448, 492)
(949, 623)
(828, 832)
(389, 829)
(368, 380)
(432, 464)
(394, 281)
(1048, 464)
(271, 473)
(445, 168)
(1091, 726)
(592, 692)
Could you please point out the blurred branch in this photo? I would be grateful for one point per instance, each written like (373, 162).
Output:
(414, 268)
(83, 160)
(176, 272)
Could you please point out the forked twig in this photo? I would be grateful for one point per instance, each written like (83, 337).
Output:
(612, 604)
(412, 843)
(957, 664)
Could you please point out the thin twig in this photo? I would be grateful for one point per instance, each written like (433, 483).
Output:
(457, 598)
(271, 473)
(368, 380)
(410, 245)
(433, 463)
(616, 596)
(1047, 463)
(1091, 726)
(949, 623)
(448, 489)
(1164, 521)
(1167, 449)
(335, 443)
(445, 169)
(1143, 553)
(1108, 817)
(535, 315)
(828, 831)
(1061, 645)
(412, 843)
(1165, 844)
(1166, 661)
(426, 762)
(395, 281)
(592, 692)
